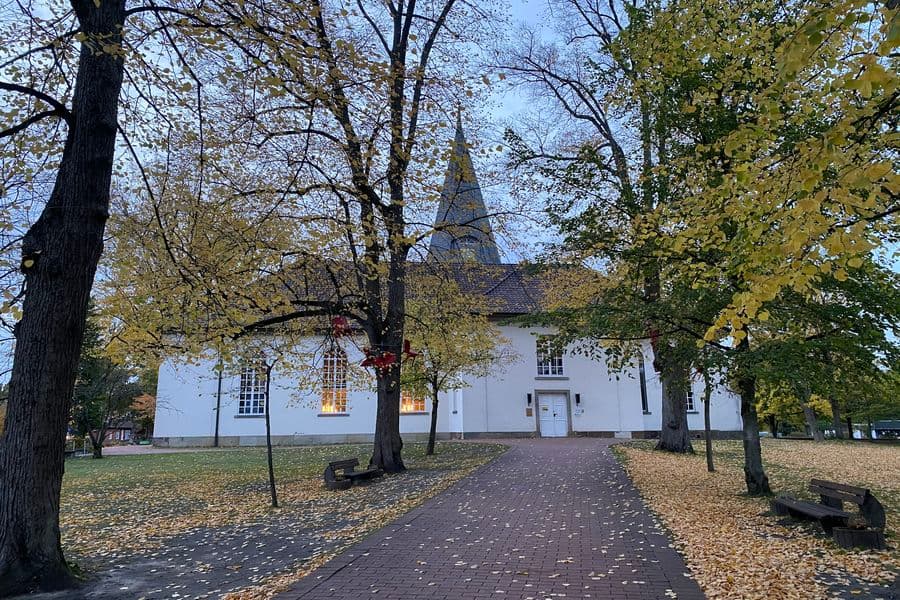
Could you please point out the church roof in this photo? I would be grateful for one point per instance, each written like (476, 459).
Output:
(462, 227)
(508, 289)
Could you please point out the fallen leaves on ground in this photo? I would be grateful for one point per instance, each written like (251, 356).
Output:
(736, 548)
(119, 507)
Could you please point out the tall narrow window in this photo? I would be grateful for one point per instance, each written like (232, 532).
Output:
(252, 392)
(643, 377)
(412, 400)
(549, 357)
(334, 382)
(689, 401)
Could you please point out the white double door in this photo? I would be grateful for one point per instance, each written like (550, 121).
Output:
(554, 414)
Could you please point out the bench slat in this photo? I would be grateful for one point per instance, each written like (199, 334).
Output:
(811, 508)
(850, 489)
(839, 494)
(344, 464)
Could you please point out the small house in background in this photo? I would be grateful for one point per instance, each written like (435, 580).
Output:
(889, 429)
(123, 431)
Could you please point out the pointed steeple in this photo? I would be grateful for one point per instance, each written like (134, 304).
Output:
(462, 228)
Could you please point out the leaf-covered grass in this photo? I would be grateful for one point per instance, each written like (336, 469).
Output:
(737, 548)
(122, 505)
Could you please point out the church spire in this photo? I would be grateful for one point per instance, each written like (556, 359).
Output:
(462, 228)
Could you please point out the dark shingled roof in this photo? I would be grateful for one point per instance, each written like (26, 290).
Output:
(508, 289)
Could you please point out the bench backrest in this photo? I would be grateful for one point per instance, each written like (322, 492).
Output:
(344, 464)
(839, 491)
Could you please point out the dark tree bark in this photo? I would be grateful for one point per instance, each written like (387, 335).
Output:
(388, 445)
(432, 432)
(773, 425)
(674, 435)
(60, 254)
(97, 442)
(836, 419)
(809, 414)
(707, 431)
(388, 338)
(272, 489)
(754, 474)
(849, 427)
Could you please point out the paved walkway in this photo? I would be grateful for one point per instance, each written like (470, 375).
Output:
(549, 519)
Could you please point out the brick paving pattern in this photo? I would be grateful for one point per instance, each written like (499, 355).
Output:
(551, 518)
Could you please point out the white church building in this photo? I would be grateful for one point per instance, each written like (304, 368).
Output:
(542, 393)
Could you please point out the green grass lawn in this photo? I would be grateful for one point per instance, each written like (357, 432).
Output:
(122, 504)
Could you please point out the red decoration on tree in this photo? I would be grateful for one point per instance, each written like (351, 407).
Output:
(408, 351)
(379, 361)
(369, 360)
(340, 326)
(654, 338)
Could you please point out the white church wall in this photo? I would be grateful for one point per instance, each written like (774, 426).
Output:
(496, 404)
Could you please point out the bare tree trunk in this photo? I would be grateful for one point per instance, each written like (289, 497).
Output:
(388, 443)
(812, 421)
(674, 435)
(849, 428)
(272, 489)
(836, 420)
(432, 432)
(707, 430)
(773, 425)
(754, 474)
(97, 443)
(59, 258)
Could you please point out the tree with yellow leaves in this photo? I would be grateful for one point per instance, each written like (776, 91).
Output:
(322, 131)
(452, 338)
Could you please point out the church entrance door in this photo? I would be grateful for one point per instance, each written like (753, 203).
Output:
(554, 412)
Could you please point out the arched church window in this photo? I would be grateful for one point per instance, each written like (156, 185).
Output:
(334, 382)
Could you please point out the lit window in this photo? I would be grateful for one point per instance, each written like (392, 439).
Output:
(412, 401)
(252, 393)
(689, 401)
(334, 381)
(549, 357)
(643, 377)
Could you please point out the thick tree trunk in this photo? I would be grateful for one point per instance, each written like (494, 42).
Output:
(812, 422)
(273, 492)
(60, 255)
(432, 432)
(836, 420)
(97, 443)
(754, 474)
(849, 428)
(674, 435)
(388, 444)
(773, 425)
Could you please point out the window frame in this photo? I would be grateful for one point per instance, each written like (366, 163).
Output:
(333, 398)
(252, 397)
(412, 397)
(689, 403)
(549, 361)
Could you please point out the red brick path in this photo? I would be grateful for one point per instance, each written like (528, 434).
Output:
(549, 519)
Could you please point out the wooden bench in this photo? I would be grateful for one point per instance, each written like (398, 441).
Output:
(348, 475)
(829, 511)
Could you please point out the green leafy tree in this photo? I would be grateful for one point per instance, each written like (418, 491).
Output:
(454, 339)
(104, 390)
